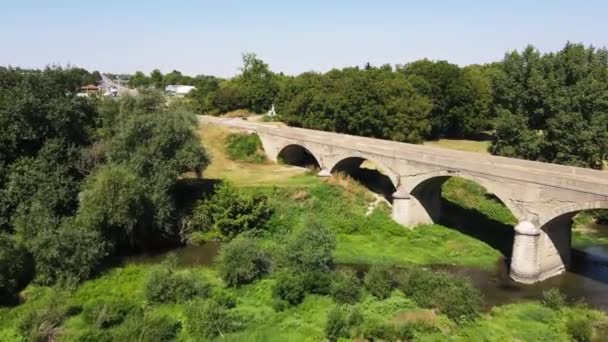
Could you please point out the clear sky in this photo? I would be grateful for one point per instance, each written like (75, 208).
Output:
(208, 36)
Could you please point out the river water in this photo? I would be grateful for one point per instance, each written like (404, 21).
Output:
(587, 280)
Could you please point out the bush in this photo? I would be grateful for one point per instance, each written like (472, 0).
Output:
(579, 328)
(288, 290)
(43, 325)
(245, 147)
(553, 299)
(242, 261)
(224, 298)
(397, 331)
(318, 282)
(452, 295)
(346, 287)
(104, 314)
(148, 328)
(230, 211)
(167, 286)
(311, 248)
(337, 324)
(379, 281)
(208, 318)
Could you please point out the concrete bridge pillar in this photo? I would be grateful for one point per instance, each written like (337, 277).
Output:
(539, 254)
(525, 267)
(324, 173)
(408, 211)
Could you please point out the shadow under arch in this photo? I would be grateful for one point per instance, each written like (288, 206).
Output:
(465, 205)
(298, 155)
(367, 173)
(588, 262)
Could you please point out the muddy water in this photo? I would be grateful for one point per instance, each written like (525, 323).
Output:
(587, 280)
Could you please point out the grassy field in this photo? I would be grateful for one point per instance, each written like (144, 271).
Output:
(461, 145)
(341, 204)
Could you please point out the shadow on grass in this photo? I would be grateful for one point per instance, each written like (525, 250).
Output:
(471, 222)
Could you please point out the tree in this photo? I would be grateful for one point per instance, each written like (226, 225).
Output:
(156, 79)
(258, 82)
(15, 269)
(139, 80)
(311, 248)
(242, 261)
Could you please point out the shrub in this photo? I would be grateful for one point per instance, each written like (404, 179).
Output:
(346, 288)
(104, 314)
(94, 335)
(379, 281)
(553, 299)
(245, 147)
(230, 211)
(337, 324)
(318, 282)
(147, 328)
(311, 248)
(452, 295)
(224, 298)
(208, 318)
(43, 325)
(288, 290)
(242, 261)
(397, 331)
(167, 286)
(579, 328)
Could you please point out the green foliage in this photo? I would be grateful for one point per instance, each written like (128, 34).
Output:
(289, 289)
(44, 324)
(553, 299)
(579, 328)
(104, 314)
(208, 319)
(15, 269)
(245, 147)
(379, 281)
(164, 285)
(346, 287)
(64, 251)
(318, 282)
(231, 211)
(397, 331)
(375, 102)
(242, 261)
(311, 248)
(147, 328)
(450, 294)
(563, 95)
(337, 324)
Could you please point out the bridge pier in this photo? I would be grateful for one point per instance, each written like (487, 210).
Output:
(408, 211)
(539, 254)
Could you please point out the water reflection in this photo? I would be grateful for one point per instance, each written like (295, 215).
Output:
(203, 255)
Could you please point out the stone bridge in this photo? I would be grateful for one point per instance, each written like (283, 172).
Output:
(543, 197)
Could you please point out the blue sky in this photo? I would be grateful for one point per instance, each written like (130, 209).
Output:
(208, 36)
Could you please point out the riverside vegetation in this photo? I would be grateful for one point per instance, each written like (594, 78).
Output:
(86, 182)
(279, 277)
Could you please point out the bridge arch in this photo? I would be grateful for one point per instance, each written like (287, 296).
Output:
(429, 185)
(298, 155)
(570, 210)
(343, 162)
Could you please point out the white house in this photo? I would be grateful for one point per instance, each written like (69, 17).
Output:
(179, 90)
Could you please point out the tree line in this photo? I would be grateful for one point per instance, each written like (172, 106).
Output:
(550, 107)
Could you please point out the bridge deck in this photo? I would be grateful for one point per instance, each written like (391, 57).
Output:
(434, 155)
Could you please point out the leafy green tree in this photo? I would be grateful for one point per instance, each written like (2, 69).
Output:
(156, 79)
(231, 211)
(242, 261)
(258, 83)
(311, 248)
(139, 80)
